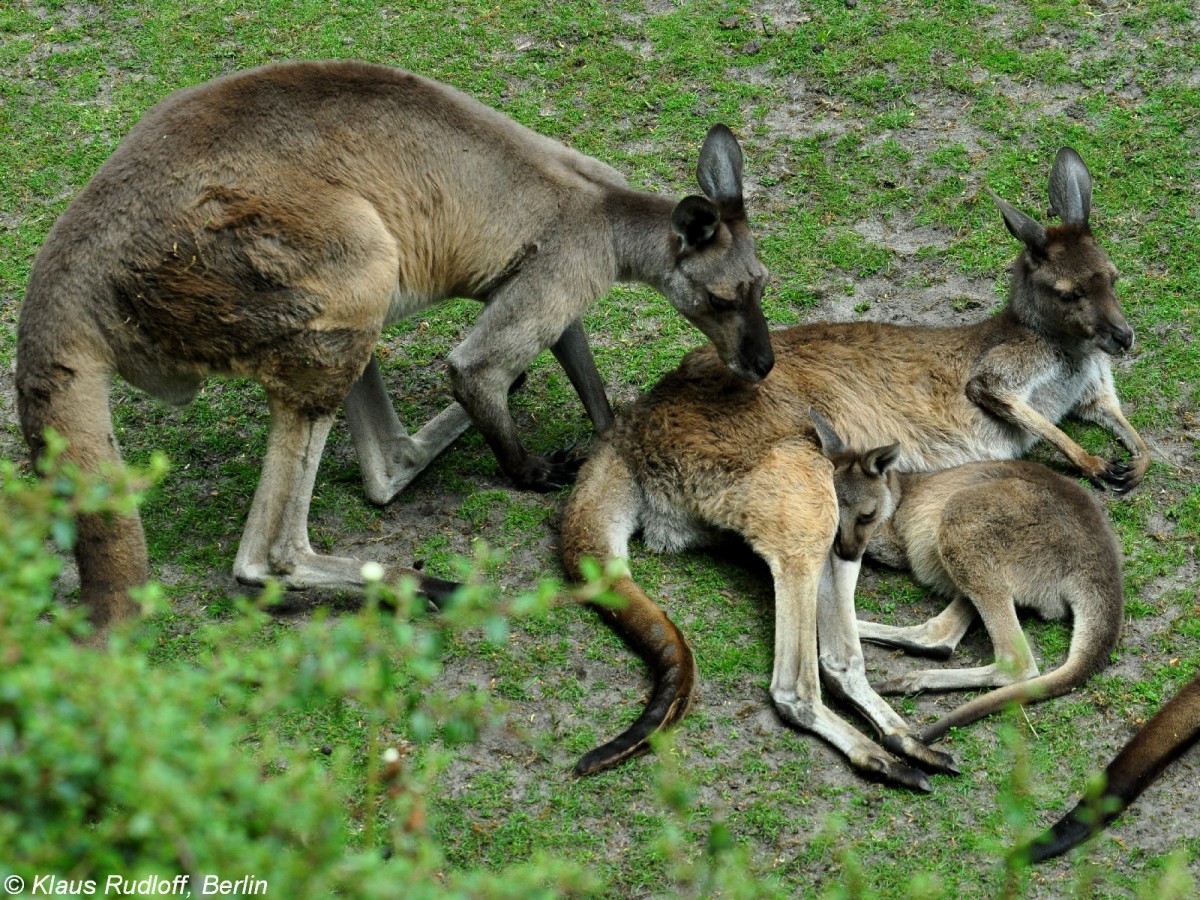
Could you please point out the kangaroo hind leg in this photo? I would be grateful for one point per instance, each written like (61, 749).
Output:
(844, 670)
(936, 637)
(787, 510)
(275, 544)
(1013, 659)
(308, 369)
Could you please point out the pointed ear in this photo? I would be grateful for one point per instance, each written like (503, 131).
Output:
(1023, 228)
(719, 170)
(831, 442)
(695, 220)
(881, 459)
(1070, 188)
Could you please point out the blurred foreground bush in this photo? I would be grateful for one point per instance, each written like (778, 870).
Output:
(114, 764)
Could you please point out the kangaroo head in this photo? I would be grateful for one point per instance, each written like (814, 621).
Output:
(865, 492)
(716, 279)
(1063, 285)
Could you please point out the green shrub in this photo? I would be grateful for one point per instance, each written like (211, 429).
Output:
(114, 765)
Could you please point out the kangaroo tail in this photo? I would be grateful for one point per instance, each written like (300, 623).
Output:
(1095, 637)
(600, 517)
(1168, 734)
(62, 383)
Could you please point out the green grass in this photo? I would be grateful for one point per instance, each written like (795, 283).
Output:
(904, 113)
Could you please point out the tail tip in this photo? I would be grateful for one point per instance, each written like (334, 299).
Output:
(1068, 832)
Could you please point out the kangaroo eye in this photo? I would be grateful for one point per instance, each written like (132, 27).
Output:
(1070, 296)
(866, 518)
(720, 304)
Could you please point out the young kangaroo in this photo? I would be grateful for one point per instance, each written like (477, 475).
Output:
(271, 222)
(703, 452)
(991, 536)
(1167, 736)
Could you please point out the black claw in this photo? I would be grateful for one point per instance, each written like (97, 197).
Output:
(911, 778)
(915, 750)
(896, 773)
(551, 472)
(948, 765)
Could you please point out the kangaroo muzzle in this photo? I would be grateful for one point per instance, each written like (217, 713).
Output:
(1120, 338)
(755, 357)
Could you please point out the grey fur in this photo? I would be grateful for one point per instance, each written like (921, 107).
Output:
(270, 223)
(991, 537)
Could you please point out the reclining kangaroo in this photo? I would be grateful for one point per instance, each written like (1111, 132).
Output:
(991, 536)
(1167, 736)
(702, 452)
(270, 223)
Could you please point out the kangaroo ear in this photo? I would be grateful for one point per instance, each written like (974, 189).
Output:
(719, 170)
(831, 442)
(1070, 188)
(1023, 228)
(695, 220)
(881, 459)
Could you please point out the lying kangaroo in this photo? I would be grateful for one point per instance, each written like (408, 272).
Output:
(1166, 737)
(271, 222)
(991, 536)
(702, 452)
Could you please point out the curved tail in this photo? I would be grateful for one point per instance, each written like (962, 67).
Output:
(62, 383)
(601, 516)
(1092, 643)
(1168, 734)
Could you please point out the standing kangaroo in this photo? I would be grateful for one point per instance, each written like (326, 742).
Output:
(1166, 737)
(703, 452)
(270, 223)
(991, 536)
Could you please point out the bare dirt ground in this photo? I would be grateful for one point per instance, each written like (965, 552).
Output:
(916, 289)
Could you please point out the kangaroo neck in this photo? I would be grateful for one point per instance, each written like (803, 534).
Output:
(643, 243)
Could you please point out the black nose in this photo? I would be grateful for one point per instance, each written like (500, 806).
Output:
(1123, 337)
(762, 362)
(839, 550)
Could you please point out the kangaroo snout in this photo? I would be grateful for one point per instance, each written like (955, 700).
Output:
(1120, 338)
(754, 357)
(850, 551)
(756, 366)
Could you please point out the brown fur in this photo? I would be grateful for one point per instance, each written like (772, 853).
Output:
(702, 452)
(270, 223)
(1167, 736)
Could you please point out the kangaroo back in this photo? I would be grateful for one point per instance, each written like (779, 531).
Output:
(1169, 733)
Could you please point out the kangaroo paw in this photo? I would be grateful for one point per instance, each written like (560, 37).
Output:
(1120, 476)
(897, 684)
(888, 769)
(551, 472)
(931, 760)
